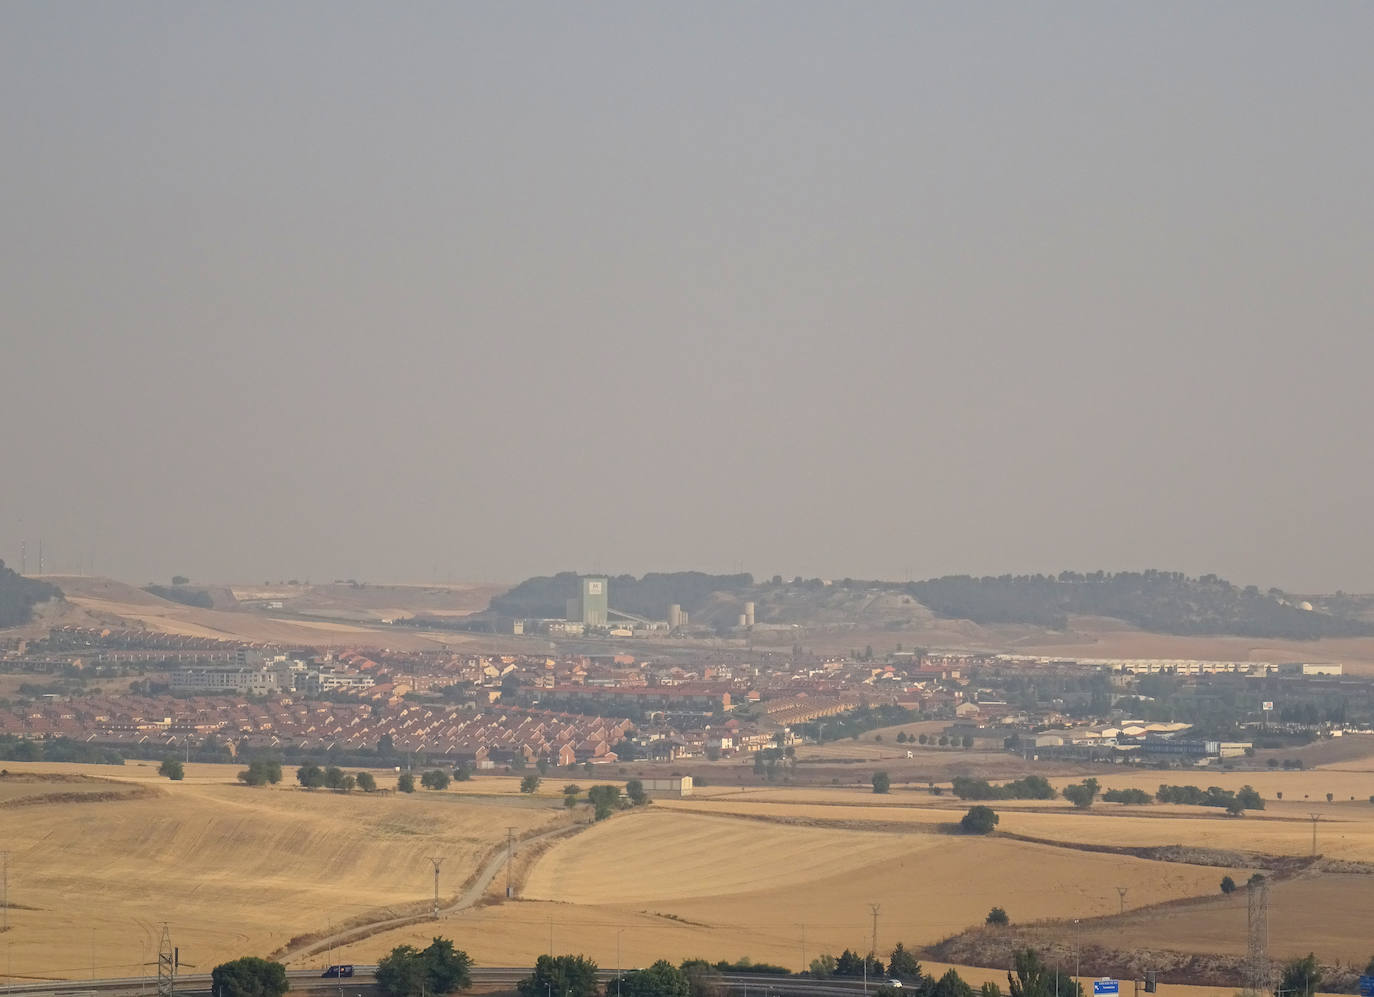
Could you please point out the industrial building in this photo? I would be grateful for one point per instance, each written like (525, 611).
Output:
(591, 605)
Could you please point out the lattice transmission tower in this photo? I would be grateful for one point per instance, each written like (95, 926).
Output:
(166, 965)
(1257, 967)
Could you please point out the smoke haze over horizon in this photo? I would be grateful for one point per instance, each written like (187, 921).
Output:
(481, 291)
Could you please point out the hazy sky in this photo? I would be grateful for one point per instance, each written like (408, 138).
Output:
(474, 291)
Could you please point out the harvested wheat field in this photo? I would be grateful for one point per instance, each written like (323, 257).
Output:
(1325, 914)
(233, 870)
(682, 884)
(730, 874)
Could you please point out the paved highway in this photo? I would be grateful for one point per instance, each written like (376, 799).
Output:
(362, 984)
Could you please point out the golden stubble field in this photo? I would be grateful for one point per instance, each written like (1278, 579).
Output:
(232, 870)
(768, 873)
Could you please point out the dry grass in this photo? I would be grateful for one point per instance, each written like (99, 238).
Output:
(1324, 914)
(233, 870)
(239, 871)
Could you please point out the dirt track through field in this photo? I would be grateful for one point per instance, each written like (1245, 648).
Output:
(474, 890)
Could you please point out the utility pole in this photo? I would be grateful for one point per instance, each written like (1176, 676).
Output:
(1121, 892)
(804, 966)
(874, 908)
(438, 861)
(5, 892)
(1314, 817)
(510, 832)
(1077, 952)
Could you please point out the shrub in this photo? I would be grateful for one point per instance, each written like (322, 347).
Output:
(435, 779)
(366, 783)
(530, 783)
(172, 769)
(1228, 885)
(997, 917)
(881, 782)
(979, 820)
(405, 783)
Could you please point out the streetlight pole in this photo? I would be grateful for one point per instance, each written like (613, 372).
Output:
(617, 961)
(1077, 953)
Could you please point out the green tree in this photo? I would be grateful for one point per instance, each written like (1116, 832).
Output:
(569, 801)
(172, 769)
(436, 779)
(881, 782)
(461, 772)
(261, 771)
(823, 966)
(634, 789)
(437, 969)
(249, 977)
(1030, 977)
(903, 965)
(950, 985)
(405, 783)
(662, 979)
(366, 783)
(979, 820)
(703, 979)
(605, 800)
(997, 917)
(1301, 977)
(1081, 794)
(310, 775)
(334, 777)
(1228, 885)
(570, 975)
(530, 783)
(989, 989)
(849, 964)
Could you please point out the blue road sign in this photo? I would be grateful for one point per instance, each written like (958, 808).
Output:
(1101, 987)
(1367, 986)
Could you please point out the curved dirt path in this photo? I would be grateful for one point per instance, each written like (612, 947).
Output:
(475, 890)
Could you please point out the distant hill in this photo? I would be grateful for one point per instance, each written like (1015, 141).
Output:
(18, 596)
(1162, 601)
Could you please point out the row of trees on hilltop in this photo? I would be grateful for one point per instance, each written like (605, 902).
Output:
(18, 596)
(1162, 601)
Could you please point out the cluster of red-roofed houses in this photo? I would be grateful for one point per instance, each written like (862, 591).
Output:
(482, 738)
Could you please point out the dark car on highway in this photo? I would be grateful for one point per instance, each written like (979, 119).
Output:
(338, 971)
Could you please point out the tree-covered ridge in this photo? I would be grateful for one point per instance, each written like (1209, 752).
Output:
(18, 596)
(1162, 601)
(650, 596)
